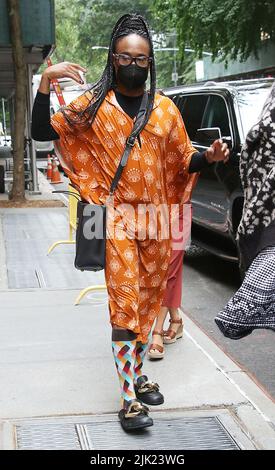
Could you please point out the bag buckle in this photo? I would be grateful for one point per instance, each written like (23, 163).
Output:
(131, 141)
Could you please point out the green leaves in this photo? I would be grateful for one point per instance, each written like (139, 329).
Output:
(228, 28)
(82, 24)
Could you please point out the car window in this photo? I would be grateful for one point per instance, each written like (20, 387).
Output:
(216, 115)
(251, 101)
(179, 102)
(192, 110)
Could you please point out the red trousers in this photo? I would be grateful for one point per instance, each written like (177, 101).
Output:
(173, 293)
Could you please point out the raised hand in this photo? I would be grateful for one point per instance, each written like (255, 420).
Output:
(62, 70)
(217, 152)
(65, 70)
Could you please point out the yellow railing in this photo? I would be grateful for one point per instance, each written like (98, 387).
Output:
(72, 220)
(85, 291)
(71, 240)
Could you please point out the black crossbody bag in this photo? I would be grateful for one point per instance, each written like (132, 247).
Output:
(92, 218)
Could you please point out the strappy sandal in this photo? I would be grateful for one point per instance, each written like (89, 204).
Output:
(156, 351)
(170, 336)
(135, 417)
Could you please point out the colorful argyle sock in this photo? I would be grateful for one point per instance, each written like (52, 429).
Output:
(140, 353)
(124, 354)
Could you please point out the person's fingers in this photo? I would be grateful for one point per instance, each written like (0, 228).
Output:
(224, 147)
(78, 67)
(75, 73)
(218, 142)
(65, 70)
(226, 156)
(210, 151)
(216, 145)
(74, 76)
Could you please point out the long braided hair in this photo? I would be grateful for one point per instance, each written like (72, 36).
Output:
(127, 24)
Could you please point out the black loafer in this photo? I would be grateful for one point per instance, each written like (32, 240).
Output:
(148, 392)
(231, 332)
(135, 417)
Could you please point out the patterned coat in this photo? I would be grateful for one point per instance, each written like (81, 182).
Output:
(156, 173)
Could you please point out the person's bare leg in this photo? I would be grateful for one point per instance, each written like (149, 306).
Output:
(175, 322)
(174, 313)
(157, 339)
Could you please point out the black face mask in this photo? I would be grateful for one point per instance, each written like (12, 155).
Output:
(132, 76)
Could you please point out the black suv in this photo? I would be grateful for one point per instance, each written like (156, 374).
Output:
(224, 110)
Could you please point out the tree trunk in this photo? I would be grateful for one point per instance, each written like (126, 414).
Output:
(18, 188)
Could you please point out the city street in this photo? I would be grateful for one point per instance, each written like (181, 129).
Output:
(56, 350)
(126, 127)
(208, 283)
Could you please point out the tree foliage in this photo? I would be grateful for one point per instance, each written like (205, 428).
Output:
(83, 24)
(97, 19)
(228, 28)
(67, 30)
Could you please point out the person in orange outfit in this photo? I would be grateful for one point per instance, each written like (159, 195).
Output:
(91, 134)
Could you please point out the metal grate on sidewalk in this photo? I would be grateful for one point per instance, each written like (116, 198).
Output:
(198, 433)
(28, 236)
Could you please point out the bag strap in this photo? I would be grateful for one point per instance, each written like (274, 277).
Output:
(130, 143)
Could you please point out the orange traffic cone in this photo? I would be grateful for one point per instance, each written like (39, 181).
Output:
(49, 168)
(56, 178)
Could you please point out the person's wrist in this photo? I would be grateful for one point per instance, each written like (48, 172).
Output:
(45, 84)
(208, 156)
(45, 76)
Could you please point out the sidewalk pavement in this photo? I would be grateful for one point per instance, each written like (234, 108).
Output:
(56, 369)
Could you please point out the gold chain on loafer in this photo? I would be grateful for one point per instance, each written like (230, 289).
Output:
(148, 387)
(135, 409)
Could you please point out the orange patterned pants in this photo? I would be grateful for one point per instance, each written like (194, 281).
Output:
(136, 274)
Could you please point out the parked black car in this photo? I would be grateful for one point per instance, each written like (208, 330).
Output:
(213, 110)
